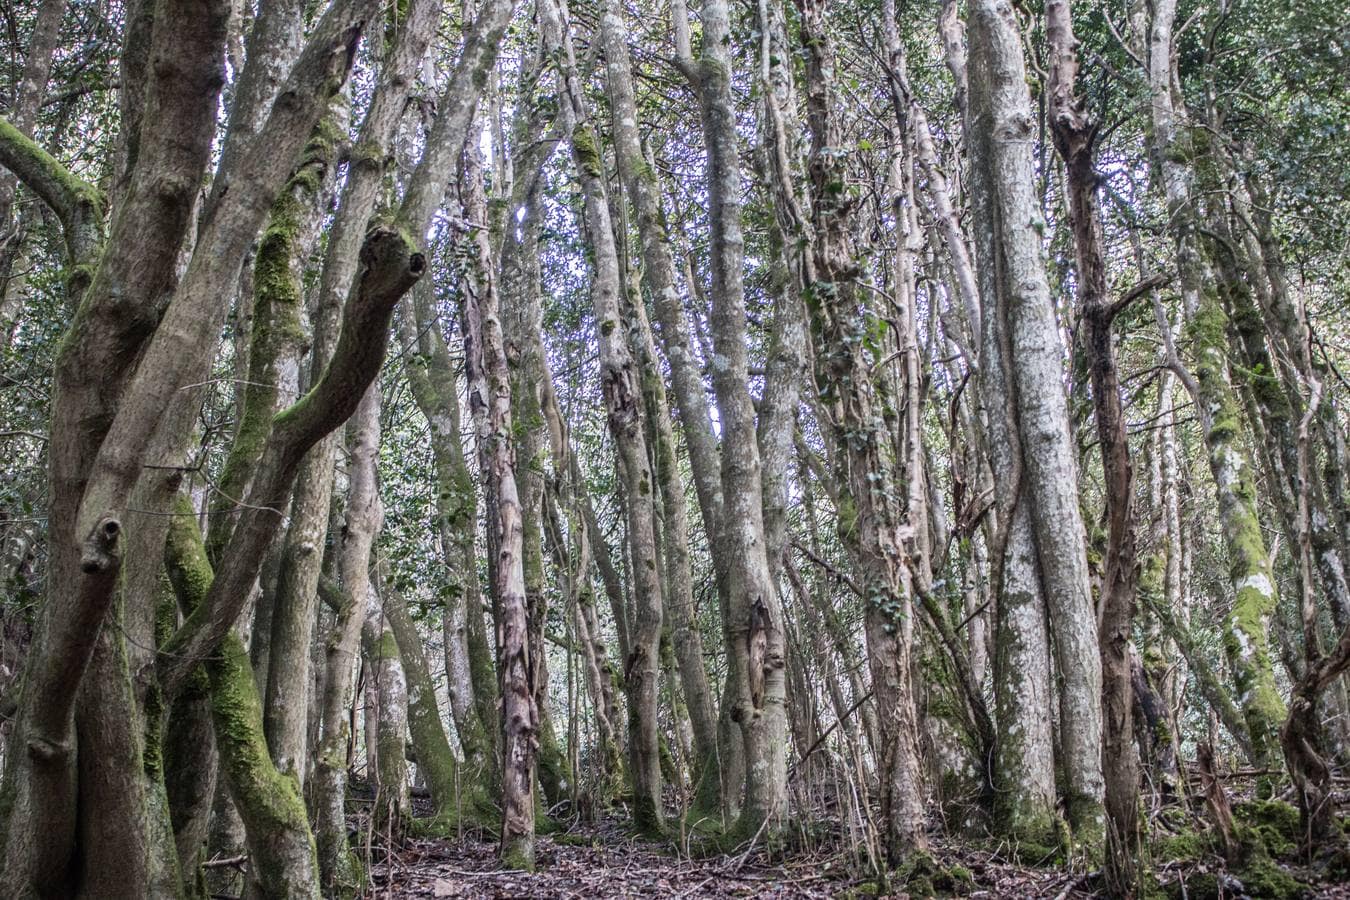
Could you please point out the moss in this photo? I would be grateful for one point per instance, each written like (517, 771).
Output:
(78, 191)
(1034, 838)
(386, 647)
(269, 802)
(1188, 846)
(555, 774)
(646, 821)
(519, 855)
(587, 154)
(1263, 878)
(78, 277)
(1087, 819)
(1246, 641)
(1196, 886)
(921, 875)
(166, 620)
(955, 879)
(1271, 824)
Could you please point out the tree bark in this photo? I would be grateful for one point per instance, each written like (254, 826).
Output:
(364, 516)
(753, 621)
(658, 271)
(871, 520)
(490, 400)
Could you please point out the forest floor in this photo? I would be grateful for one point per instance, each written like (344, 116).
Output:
(604, 861)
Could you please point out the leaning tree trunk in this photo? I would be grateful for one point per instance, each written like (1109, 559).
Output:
(1246, 631)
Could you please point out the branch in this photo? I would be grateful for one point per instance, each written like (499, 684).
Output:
(1156, 280)
(75, 202)
(391, 264)
(233, 215)
(840, 576)
(828, 731)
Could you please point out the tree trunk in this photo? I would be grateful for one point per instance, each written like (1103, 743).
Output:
(626, 416)
(1246, 640)
(490, 400)
(364, 515)
(384, 665)
(281, 848)
(1075, 137)
(753, 621)
(870, 490)
(1022, 348)
(658, 271)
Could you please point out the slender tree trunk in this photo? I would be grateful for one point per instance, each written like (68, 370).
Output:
(619, 379)
(1075, 136)
(753, 622)
(490, 400)
(871, 520)
(473, 683)
(283, 254)
(22, 113)
(659, 278)
(364, 515)
(384, 665)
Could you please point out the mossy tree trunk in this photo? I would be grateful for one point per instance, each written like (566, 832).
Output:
(281, 850)
(473, 685)
(752, 620)
(870, 487)
(455, 792)
(1246, 631)
(384, 667)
